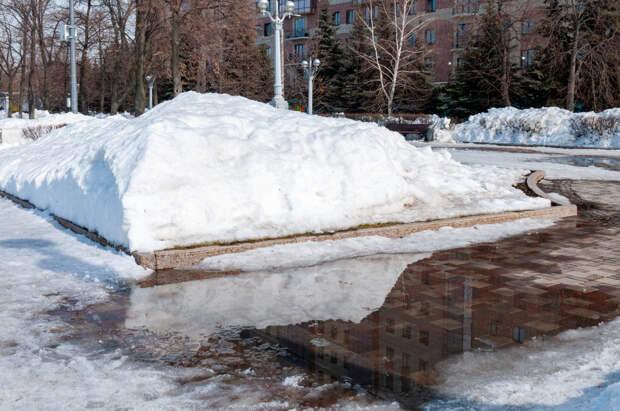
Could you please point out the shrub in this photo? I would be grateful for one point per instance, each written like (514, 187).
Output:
(524, 125)
(594, 127)
(35, 133)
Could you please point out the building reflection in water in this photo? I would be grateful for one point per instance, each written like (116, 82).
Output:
(386, 322)
(437, 308)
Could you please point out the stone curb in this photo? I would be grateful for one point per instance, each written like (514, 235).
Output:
(532, 182)
(168, 259)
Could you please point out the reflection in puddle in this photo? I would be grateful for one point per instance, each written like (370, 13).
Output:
(384, 323)
(348, 290)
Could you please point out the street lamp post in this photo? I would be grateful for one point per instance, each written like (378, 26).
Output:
(69, 33)
(278, 99)
(150, 80)
(310, 70)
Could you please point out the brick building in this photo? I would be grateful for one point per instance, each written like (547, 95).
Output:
(448, 23)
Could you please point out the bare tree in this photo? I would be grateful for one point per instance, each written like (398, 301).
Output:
(386, 28)
(11, 56)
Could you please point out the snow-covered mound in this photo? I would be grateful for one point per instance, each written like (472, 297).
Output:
(542, 126)
(210, 167)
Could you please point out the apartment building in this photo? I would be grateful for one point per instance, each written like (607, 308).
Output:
(447, 26)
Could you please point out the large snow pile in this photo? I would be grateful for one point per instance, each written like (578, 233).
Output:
(542, 126)
(209, 167)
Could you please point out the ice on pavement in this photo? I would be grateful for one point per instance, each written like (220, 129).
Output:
(210, 167)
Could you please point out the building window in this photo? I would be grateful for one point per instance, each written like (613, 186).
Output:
(350, 16)
(519, 334)
(424, 335)
(267, 29)
(412, 39)
(459, 62)
(389, 381)
(375, 12)
(407, 332)
(300, 27)
(461, 34)
(334, 332)
(405, 363)
(527, 58)
(389, 325)
(336, 18)
(268, 51)
(367, 14)
(412, 9)
(527, 27)
(465, 6)
(430, 36)
(431, 6)
(422, 365)
(301, 6)
(300, 50)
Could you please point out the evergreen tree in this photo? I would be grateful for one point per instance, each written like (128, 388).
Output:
(486, 76)
(327, 96)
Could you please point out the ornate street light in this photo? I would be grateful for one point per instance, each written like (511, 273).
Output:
(278, 99)
(310, 71)
(150, 80)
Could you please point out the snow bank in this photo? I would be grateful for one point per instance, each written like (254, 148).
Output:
(560, 371)
(209, 167)
(16, 131)
(542, 126)
(42, 118)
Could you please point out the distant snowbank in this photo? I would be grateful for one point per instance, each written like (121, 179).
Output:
(209, 167)
(42, 118)
(542, 126)
(16, 131)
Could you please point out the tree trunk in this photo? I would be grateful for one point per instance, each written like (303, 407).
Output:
(31, 109)
(114, 102)
(174, 54)
(22, 73)
(140, 97)
(506, 77)
(9, 112)
(570, 95)
(83, 91)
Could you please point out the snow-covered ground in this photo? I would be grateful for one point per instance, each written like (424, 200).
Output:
(209, 167)
(542, 126)
(575, 370)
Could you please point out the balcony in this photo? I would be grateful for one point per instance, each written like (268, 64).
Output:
(296, 35)
(465, 8)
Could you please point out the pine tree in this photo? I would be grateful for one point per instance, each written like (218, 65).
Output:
(327, 96)
(486, 77)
